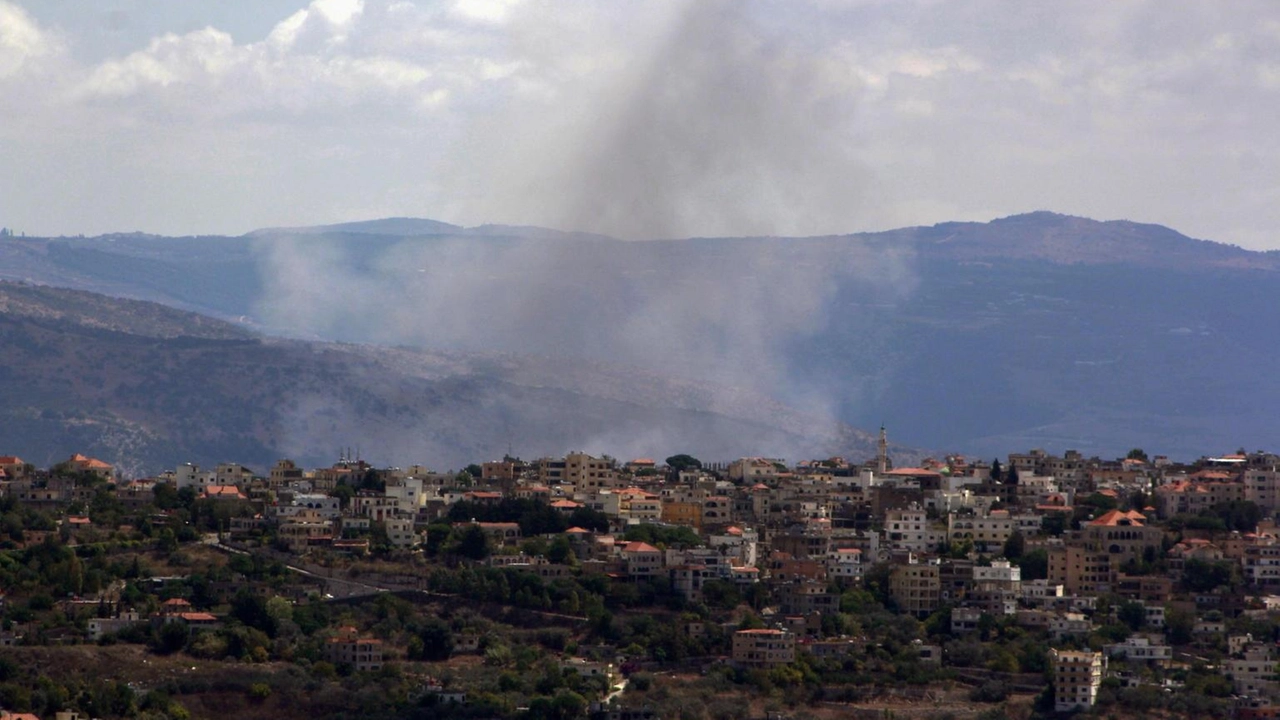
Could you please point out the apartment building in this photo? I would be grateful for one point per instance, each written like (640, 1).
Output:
(1077, 676)
(916, 588)
(763, 647)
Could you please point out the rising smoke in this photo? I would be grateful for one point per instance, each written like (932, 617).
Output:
(716, 129)
(711, 127)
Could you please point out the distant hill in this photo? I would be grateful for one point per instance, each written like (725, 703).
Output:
(387, 226)
(148, 387)
(419, 227)
(1037, 330)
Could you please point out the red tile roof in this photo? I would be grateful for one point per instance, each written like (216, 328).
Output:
(1118, 517)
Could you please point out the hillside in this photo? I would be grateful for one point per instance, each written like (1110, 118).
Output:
(148, 387)
(1038, 330)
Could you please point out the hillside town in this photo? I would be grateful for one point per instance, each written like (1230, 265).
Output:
(579, 586)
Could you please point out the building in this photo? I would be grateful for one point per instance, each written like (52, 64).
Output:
(347, 647)
(1140, 649)
(1080, 569)
(916, 588)
(1253, 673)
(642, 559)
(909, 530)
(1077, 676)
(1122, 535)
(763, 647)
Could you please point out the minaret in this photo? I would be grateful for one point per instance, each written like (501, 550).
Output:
(882, 457)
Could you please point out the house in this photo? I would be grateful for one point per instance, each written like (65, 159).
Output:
(304, 528)
(98, 627)
(763, 647)
(12, 467)
(1070, 625)
(642, 559)
(93, 466)
(844, 565)
(348, 648)
(965, 619)
(223, 493)
(400, 532)
(1140, 649)
(1124, 535)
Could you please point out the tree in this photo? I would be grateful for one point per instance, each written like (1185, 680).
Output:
(560, 552)
(1014, 546)
(344, 493)
(436, 641)
(1133, 614)
(1137, 454)
(1180, 625)
(472, 543)
(996, 472)
(172, 637)
(1034, 564)
(1206, 576)
(680, 463)
(251, 609)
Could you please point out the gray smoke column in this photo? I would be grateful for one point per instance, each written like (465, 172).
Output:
(717, 128)
(712, 127)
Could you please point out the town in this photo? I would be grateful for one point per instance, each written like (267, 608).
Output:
(564, 587)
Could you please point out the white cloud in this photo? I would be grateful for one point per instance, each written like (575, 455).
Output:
(490, 11)
(21, 40)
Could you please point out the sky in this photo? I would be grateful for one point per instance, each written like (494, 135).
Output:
(638, 119)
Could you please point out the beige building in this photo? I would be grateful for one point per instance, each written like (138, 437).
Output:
(304, 527)
(916, 588)
(763, 647)
(1077, 676)
(1080, 570)
(361, 653)
(1122, 535)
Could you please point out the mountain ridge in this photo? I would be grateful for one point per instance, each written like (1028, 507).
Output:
(1037, 329)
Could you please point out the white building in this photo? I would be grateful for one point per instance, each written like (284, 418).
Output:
(1140, 649)
(1077, 676)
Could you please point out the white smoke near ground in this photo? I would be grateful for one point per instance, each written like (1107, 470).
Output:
(717, 128)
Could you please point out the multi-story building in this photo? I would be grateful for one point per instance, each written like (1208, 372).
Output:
(348, 648)
(1122, 535)
(587, 473)
(763, 647)
(400, 532)
(304, 528)
(1080, 569)
(908, 529)
(283, 473)
(916, 588)
(844, 565)
(1077, 676)
(1262, 487)
(1262, 564)
(1253, 674)
(677, 512)
(996, 587)
(1140, 649)
(642, 559)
